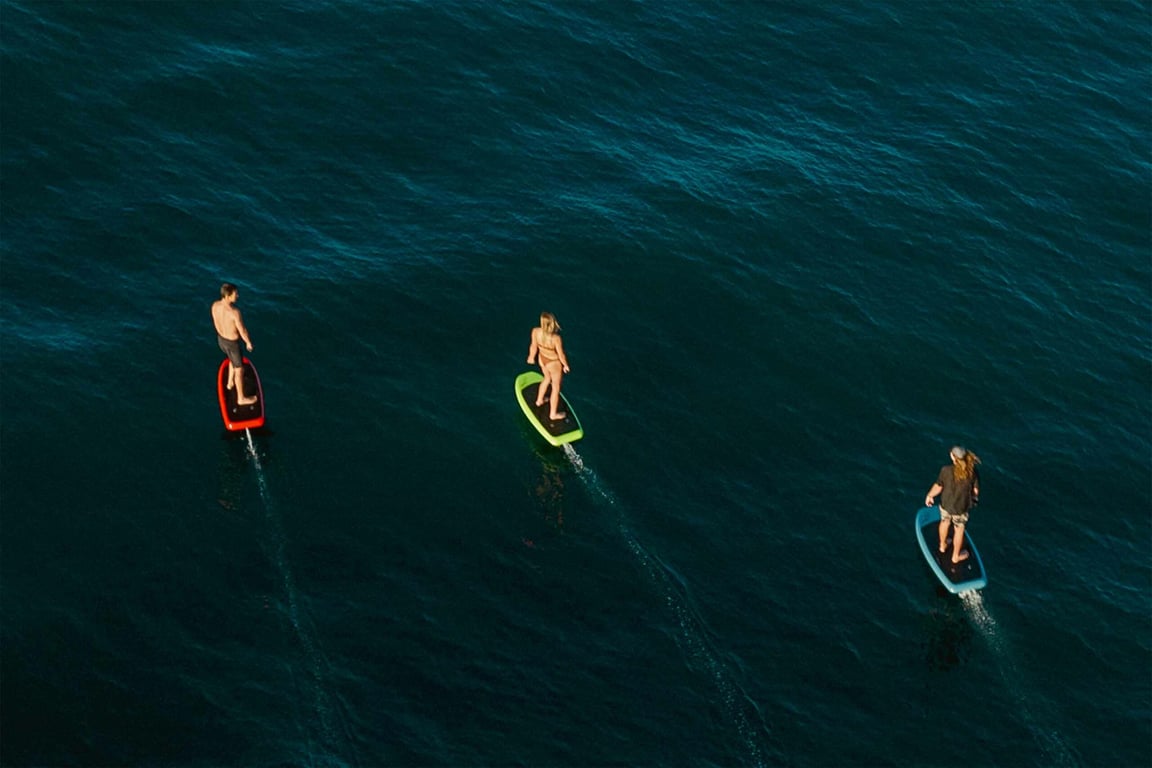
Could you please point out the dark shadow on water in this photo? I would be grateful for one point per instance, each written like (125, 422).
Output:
(949, 634)
(548, 490)
(548, 486)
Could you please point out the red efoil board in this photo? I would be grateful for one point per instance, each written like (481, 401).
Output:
(237, 418)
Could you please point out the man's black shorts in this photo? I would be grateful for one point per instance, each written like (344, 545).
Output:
(231, 347)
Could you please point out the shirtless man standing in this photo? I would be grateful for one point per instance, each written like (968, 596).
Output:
(229, 330)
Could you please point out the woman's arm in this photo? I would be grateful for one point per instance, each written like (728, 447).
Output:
(560, 354)
(533, 349)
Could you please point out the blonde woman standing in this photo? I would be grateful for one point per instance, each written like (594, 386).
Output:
(546, 344)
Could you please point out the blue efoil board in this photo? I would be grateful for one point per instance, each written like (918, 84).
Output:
(956, 577)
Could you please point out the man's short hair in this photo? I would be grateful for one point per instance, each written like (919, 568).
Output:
(227, 290)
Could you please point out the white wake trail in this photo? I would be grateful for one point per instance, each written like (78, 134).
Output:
(331, 723)
(1055, 749)
(691, 636)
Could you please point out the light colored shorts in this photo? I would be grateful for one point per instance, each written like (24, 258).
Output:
(948, 517)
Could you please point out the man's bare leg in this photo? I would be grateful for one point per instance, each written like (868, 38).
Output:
(943, 535)
(957, 540)
(238, 375)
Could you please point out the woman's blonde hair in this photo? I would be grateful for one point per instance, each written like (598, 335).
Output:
(548, 323)
(965, 465)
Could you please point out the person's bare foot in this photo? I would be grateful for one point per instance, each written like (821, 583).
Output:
(247, 401)
(558, 417)
(539, 403)
(962, 558)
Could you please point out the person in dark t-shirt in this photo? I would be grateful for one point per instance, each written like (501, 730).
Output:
(958, 486)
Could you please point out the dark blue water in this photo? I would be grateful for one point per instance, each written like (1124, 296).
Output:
(798, 250)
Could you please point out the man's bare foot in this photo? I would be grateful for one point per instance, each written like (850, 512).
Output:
(539, 403)
(247, 401)
(963, 557)
(559, 416)
(943, 548)
(230, 384)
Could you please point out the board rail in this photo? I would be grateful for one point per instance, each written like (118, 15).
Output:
(566, 430)
(965, 576)
(238, 418)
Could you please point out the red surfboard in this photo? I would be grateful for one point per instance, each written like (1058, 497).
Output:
(237, 418)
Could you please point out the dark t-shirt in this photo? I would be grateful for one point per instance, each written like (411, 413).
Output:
(957, 494)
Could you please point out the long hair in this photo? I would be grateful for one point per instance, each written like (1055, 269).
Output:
(548, 323)
(965, 467)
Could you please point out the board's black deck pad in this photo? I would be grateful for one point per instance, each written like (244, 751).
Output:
(958, 573)
(251, 387)
(555, 428)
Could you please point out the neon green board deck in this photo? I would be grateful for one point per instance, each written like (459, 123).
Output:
(567, 430)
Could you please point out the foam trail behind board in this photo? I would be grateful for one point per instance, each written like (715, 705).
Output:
(331, 723)
(691, 636)
(1055, 750)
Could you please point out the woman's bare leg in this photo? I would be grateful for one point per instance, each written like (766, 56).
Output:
(557, 376)
(542, 390)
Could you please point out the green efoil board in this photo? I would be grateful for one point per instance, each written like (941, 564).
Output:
(566, 430)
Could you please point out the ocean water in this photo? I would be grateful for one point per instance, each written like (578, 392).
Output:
(798, 251)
